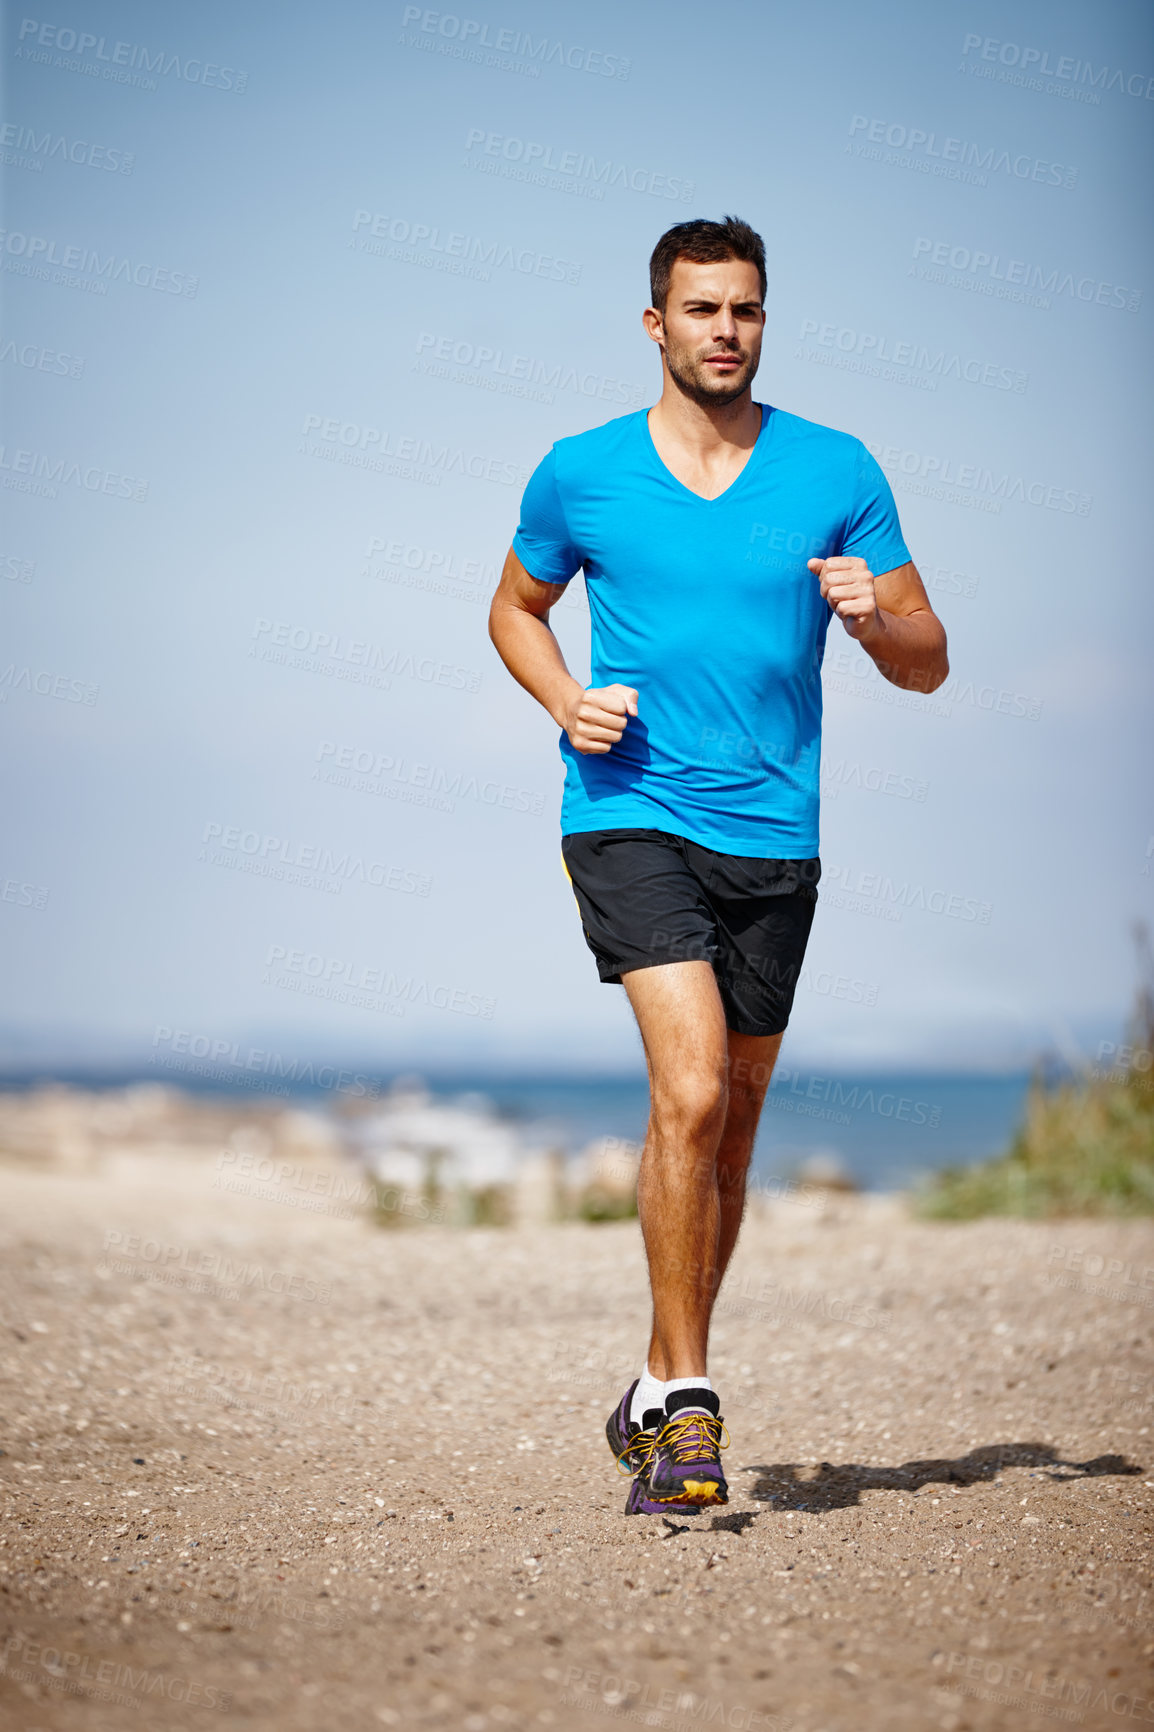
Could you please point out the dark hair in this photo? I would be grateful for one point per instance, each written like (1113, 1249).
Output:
(705, 243)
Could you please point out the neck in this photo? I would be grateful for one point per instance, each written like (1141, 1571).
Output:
(705, 427)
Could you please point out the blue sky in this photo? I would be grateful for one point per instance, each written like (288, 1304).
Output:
(294, 302)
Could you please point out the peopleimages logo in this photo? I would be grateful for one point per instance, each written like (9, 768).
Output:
(83, 1675)
(1035, 62)
(384, 452)
(39, 473)
(118, 62)
(933, 154)
(416, 782)
(314, 864)
(406, 555)
(494, 369)
(42, 147)
(432, 570)
(368, 988)
(875, 892)
(535, 160)
(449, 250)
(913, 358)
(15, 569)
(355, 659)
(43, 683)
(972, 478)
(31, 255)
(41, 360)
(472, 33)
(1046, 1692)
(864, 680)
(1019, 279)
(23, 895)
(948, 581)
(226, 1060)
(840, 773)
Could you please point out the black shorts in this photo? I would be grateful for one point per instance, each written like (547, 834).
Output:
(648, 897)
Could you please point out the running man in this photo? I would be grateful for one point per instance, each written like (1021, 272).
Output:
(717, 535)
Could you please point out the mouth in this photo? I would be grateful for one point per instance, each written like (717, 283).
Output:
(724, 363)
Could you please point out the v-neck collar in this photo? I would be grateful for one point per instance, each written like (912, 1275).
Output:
(754, 454)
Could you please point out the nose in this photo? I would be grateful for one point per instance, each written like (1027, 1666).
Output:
(724, 326)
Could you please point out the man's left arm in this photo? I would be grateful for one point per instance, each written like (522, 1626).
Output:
(890, 617)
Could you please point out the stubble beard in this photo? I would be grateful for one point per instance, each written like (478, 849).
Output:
(690, 376)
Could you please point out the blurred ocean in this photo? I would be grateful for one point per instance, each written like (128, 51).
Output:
(885, 1129)
(882, 1128)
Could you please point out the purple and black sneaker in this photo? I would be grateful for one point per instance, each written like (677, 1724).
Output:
(683, 1468)
(631, 1443)
(634, 1447)
(641, 1500)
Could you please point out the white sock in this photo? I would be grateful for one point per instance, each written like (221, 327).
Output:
(688, 1383)
(650, 1392)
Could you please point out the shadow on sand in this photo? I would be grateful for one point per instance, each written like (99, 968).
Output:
(841, 1487)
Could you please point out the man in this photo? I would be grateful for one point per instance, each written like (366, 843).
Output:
(717, 535)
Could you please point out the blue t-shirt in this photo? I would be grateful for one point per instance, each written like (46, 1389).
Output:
(707, 608)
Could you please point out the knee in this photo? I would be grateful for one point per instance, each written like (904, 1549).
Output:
(693, 1103)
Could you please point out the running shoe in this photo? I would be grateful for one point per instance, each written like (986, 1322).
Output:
(631, 1443)
(683, 1466)
(639, 1502)
(632, 1447)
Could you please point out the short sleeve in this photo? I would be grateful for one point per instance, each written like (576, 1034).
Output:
(872, 530)
(542, 542)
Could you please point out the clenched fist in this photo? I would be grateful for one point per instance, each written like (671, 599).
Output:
(847, 583)
(596, 719)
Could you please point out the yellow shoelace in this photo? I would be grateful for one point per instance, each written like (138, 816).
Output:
(644, 1441)
(683, 1438)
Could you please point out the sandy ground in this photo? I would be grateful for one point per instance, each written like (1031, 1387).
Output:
(268, 1466)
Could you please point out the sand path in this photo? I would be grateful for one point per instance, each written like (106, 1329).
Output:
(266, 1465)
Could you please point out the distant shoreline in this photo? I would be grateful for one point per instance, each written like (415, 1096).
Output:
(114, 1076)
(883, 1129)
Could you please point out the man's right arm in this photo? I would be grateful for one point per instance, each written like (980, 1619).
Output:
(519, 627)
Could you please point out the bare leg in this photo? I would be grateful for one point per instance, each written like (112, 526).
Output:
(751, 1061)
(673, 1009)
(682, 1023)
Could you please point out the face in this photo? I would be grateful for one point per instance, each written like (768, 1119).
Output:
(711, 331)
